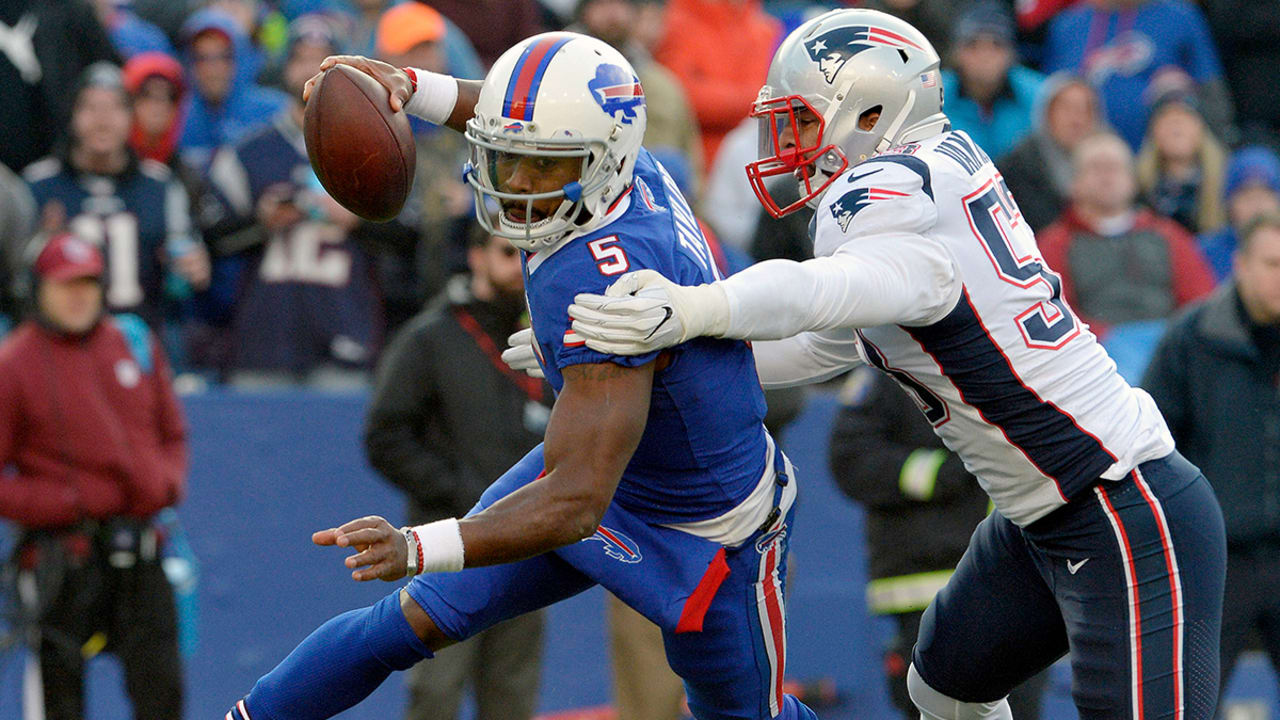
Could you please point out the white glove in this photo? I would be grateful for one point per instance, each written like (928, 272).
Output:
(519, 354)
(643, 312)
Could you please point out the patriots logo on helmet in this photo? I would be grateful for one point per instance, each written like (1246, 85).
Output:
(617, 546)
(617, 92)
(852, 202)
(833, 48)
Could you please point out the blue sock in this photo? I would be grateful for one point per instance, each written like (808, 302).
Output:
(338, 665)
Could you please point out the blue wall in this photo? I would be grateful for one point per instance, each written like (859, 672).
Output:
(267, 470)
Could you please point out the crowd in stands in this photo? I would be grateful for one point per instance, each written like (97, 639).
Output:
(170, 136)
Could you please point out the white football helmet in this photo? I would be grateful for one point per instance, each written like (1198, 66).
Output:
(555, 95)
(840, 65)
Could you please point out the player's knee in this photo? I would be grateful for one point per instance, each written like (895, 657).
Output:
(934, 705)
(423, 626)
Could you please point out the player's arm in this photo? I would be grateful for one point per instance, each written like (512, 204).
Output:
(440, 99)
(885, 268)
(595, 426)
(806, 358)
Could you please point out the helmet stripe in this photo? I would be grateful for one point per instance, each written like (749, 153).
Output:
(526, 76)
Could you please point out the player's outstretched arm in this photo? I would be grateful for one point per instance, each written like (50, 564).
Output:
(595, 426)
(437, 98)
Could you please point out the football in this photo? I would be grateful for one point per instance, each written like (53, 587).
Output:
(362, 152)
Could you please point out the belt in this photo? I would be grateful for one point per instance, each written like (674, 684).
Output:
(780, 481)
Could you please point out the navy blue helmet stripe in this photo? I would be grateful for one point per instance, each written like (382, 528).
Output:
(981, 372)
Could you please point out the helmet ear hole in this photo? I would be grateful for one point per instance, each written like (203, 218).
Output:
(869, 118)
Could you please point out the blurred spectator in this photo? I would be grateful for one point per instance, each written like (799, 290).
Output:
(988, 95)
(934, 18)
(720, 51)
(426, 244)
(461, 60)
(786, 237)
(39, 71)
(1214, 378)
(1119, 263)
(1181, 165)
(447, 418)
(1120, 45)
(129, 33)
(305, 306)
(729, 204)
(492, 25)
(922, 506)
(225, 103)
(17, 223)
(670, 120)
(1248, 39)
(92, 446)
(1038, 170)
(1252, 188)
(134, 209)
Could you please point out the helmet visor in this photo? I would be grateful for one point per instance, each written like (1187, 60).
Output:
(791, 143)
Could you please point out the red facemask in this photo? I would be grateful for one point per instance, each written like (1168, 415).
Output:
(780, 136)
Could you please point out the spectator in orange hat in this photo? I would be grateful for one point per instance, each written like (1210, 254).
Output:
(721, 85)
(426, 244)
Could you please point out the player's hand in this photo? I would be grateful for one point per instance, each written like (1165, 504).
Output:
(643, 312)
(395, 80)
(382, 552)
(519, 354)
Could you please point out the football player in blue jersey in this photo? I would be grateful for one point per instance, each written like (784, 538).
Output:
(657, 478)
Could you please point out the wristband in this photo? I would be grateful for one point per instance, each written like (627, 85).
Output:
(434, 95)
(439, 546)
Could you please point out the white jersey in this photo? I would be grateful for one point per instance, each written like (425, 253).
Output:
(981, 338)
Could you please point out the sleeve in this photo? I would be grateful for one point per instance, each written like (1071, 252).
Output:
(809, 357)
(1165, 380)
(873, 457)
(404, 399)
(585, 266)
(876, 263)
(170, 425)
(1201, 54)
(31, 501)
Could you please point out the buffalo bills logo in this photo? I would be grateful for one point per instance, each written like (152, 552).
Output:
(617, 546)
(617, 92)
(833, 48)
(767, 540)
(514, 127)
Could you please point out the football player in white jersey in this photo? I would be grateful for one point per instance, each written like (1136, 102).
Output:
(1105, 541)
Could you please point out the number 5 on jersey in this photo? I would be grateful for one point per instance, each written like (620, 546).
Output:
(610, 259)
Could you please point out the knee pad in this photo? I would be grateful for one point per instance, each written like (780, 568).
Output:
(933, 705)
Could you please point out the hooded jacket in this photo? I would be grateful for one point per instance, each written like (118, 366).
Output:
(247, 107)
(137, 71)
(1223, 408)
(1246, 167)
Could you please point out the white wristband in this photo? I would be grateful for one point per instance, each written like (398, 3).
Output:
(441, 546)
(435, 96)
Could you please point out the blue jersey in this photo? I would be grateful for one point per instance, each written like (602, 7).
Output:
(704, 446)
(140, 218)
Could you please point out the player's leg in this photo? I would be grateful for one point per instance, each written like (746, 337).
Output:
(1138, 570)
(733, 665)
(994, 625)
(347, 658)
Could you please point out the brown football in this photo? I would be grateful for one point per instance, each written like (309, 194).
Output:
(362, 152)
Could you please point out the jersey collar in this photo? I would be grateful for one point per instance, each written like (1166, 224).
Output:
(619, 208)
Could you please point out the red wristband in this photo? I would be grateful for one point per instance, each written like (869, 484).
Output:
(419, 543)
(413, 79)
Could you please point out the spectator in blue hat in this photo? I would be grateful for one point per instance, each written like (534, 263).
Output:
(989, 96)
(1251, 189)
